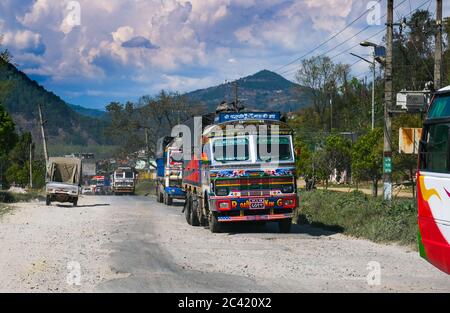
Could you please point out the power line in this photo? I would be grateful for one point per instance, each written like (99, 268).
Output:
(293, 70)
(329, 39)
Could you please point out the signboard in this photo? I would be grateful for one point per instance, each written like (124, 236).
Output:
(409, 139)
(387, 165)
(229, 117)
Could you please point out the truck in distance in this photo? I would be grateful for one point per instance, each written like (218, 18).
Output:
(250, 185)
(124, 181)
(169, 170)
(63, 180)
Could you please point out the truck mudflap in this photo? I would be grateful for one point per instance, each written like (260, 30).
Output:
(266, 217)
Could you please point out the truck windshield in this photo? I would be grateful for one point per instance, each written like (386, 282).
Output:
(231, 149)
(274, 148)
(129, 175)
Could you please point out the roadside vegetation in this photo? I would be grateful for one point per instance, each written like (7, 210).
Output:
(145, 188)
(361, 216)
(11, 197)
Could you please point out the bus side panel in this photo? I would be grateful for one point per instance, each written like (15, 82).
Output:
(433, 225)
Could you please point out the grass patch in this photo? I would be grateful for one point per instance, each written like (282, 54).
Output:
(10, 197)
(359, 215)
(145, 188)
(4, 209)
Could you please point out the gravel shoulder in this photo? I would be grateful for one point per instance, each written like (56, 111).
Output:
(133, 244)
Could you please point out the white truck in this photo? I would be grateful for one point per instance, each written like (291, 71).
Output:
(63, 180)
(124, 181)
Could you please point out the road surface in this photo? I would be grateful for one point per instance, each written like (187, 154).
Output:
(133, 244)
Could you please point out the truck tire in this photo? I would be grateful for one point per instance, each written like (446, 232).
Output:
(194, 212)
(161, 198)
(75, 202)
(48, 201)
(187, 209)
(285, 225)
(169, 200)
(214, 224)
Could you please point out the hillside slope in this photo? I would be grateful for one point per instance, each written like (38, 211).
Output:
(64, 125)
(264, 90)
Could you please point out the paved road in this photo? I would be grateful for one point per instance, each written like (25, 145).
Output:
(133, 244)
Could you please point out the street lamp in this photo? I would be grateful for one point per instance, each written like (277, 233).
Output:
(373, 66)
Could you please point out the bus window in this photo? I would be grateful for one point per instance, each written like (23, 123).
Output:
(435, 150)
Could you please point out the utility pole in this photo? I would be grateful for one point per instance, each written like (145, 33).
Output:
(235, 85)
(44, 140)
(331, 117)
(31, 165)
(373, 90)
(438, 52)
(388, 96)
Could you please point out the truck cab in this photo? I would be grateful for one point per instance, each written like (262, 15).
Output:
(124, 181)
(244, 173)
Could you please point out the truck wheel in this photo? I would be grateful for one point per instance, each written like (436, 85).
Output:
(214, 225)
(187, 209)
(194, 212)
(47, 201)
(284, 226)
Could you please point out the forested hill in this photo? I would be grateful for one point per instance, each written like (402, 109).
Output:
(264, 90)
(64, 125)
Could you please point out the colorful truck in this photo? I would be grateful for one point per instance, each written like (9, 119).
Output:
(169, 164)
(433, 183)
(235, 177)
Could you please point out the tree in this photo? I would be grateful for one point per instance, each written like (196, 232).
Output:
(154, 115)
(321, 76)
(367, 158)
(19, 161)
(8, 136)
(5, 55)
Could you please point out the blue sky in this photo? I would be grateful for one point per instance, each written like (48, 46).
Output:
(119, 50)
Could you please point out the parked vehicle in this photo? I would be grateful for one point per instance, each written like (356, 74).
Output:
(63, 179)
(433, 183)
(87, 190)
(235, 179)
(169, 170)
(124, 181)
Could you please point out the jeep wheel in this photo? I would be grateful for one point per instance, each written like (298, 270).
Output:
(47, 201)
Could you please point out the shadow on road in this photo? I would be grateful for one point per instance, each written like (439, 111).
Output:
(272, 228)
(82, 206)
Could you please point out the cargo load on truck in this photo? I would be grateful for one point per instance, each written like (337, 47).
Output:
(63, 179)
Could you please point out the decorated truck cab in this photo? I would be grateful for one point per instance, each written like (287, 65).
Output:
(169, 170)
(245, 172)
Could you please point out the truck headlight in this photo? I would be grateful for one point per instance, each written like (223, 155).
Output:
(287, 188)
(222, 191)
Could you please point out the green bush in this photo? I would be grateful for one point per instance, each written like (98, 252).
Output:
(9, 197)
(361, 216)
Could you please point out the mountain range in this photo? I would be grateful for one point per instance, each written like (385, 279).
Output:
(70, 124)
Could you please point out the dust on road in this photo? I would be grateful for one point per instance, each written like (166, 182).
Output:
(133, 244)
